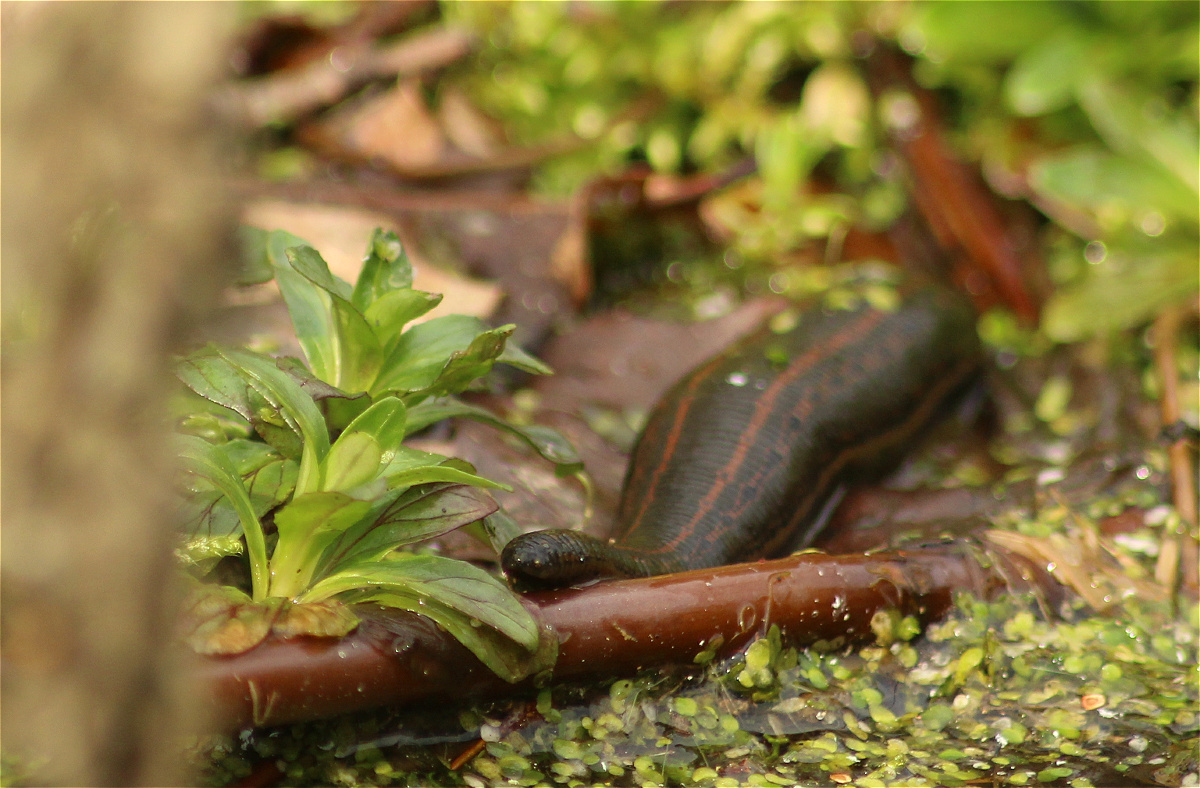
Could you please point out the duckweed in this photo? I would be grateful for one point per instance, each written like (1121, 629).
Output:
(1010, 691)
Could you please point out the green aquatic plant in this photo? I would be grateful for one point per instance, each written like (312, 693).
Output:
(1086, 110)
(303, 465)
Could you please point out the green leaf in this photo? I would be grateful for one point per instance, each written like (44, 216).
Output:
(256, 263)
(385, 421)
(339, 407)
(1117, 188)
(787, 150)
(316, 388)
(307, 526)
(312, 320)
(203, 552)
(546, 441)
(212, 377)
(441, 473)
(406, 458)
(514, 356)
(268, 476)
(505, 657)
(353, 461)
(309, 306)
(446, 354)
(390, 312)
(1131, 128)
(1114, 300)
(466, 366)
(386, 269)
(368, 444)
(269, 480)
(211, 462)
(351, 352)
(986, 31)
(293, 405)
(501, 529)
(418, 514)
(1044, 77)
(424, 350)
(308, 262)
(429, 578)
(195, 415)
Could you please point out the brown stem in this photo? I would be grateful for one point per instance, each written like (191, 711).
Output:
(606, 629)
(287, 95)
(950, 195)
(1183, 476)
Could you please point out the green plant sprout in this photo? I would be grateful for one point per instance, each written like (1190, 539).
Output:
(317, 450)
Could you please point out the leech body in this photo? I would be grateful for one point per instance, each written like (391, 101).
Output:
(741, 457)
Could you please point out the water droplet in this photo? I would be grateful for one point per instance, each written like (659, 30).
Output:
(1095, 252)
(1142, 472)
(1050, 476)
(1153, 224)
(901, 112)
(547, 303)
(738, 379)
(341, 58)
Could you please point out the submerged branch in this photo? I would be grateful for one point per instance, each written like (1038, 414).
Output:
(607, 629)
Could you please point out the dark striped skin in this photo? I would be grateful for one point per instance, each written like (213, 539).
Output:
(740, 459)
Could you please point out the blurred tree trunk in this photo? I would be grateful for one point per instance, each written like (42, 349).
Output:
(114, 239)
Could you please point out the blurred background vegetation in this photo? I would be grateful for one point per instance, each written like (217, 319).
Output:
(1086, 110)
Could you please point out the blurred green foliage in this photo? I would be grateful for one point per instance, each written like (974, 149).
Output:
(1086, 109)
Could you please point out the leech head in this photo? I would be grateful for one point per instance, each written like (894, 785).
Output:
(555, 558)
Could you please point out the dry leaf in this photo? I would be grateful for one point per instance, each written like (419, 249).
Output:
(396, 127)
(468, 128)
(341, 235)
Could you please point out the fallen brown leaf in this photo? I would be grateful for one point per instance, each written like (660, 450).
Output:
(341, 235)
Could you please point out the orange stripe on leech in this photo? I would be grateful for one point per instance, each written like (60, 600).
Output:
(697, 379)
(898, 434)
(763, 409)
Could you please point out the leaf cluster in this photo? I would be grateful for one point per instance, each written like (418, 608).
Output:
(1093, 107)
(1088, 110)
(304, 462)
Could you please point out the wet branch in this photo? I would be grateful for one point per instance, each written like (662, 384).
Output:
(607, 629)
